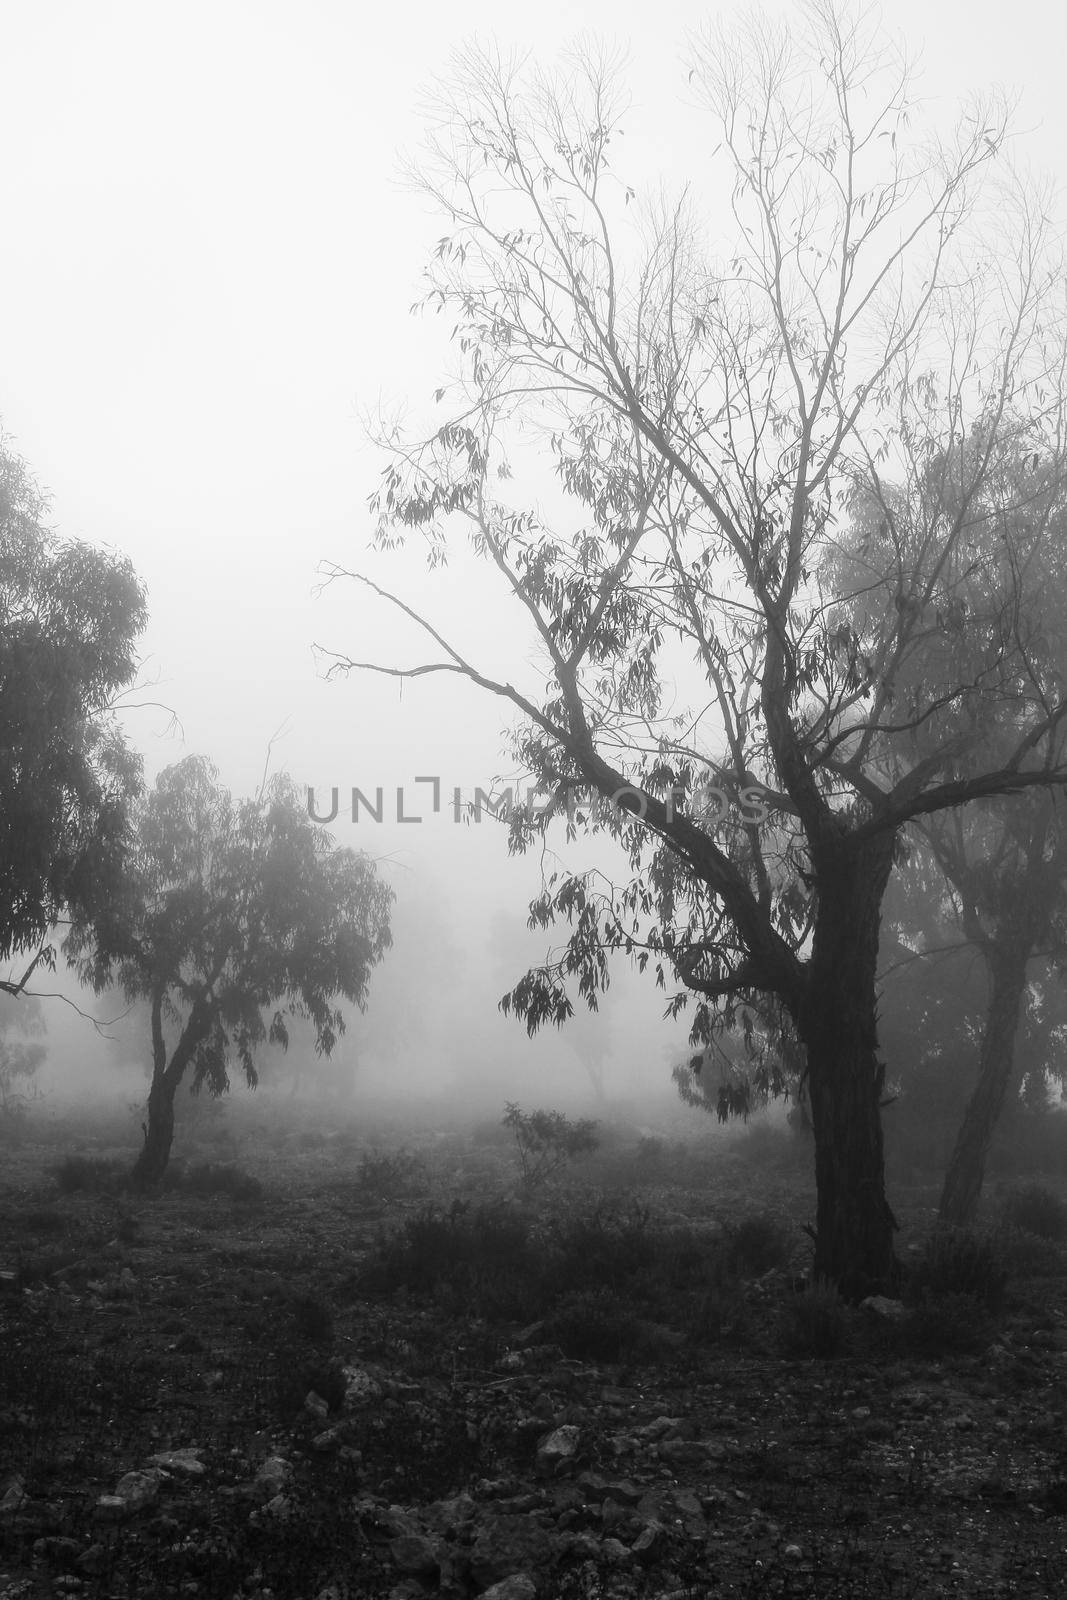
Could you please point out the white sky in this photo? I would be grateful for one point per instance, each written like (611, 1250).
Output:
(205, 276)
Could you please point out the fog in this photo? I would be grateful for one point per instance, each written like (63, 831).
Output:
(207, 274)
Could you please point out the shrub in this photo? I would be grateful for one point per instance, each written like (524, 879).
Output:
(815, 1323)
(593, 1325)
(211, 1178)
(758, 1244)
(1036, 1210)
(947, 1323)
(958, 1262)
(484, 1259)
(89, 1174)
(388, 1175)
(547, 1140)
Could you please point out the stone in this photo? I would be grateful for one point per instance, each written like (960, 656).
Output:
(508, 1544)
(183, 1463)
(316, 1406)
(559, 1447)
(882, 1306)
(360, 1387)
(414, 1554)
(649, 1542)
(275, 1475)
(138, 1489)
(520, 1586)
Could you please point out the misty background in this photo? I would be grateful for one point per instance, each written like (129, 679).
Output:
(208, 266)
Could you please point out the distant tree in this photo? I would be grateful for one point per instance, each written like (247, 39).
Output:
(712, 414)
(69, 617)
(21, 1052)
(1001, 862)
(231, 916)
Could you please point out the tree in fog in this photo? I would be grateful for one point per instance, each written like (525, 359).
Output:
(878, 298)
(69, 618)
(21, 1053)
(940, 1010)
(231, 917)
(997, 622)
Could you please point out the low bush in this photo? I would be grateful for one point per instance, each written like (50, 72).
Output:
(957, 1262)
(212, 1178)
(547, 1140)
(1036, 1210)
(815, 1324)
(757, 1244)
(90, 1174)
(594, 1325)
(949, 1323)
(390, 1174)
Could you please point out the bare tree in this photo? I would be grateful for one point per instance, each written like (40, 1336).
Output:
(712, 416)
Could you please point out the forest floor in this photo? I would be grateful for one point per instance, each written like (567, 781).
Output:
(333, 1361)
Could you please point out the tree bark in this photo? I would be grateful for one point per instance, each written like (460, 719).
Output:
(838, 1025)
(151, 1164)
(966, 1169)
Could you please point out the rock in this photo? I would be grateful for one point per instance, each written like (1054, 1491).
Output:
(449, 1516)
(56, 1548)
(138, 1489)
(682, 1452)
(662, 1428)
(793, 1552)
(559, 1447)
(316, 1406)
(508, 1544)
(360, 1387)
(184, 1463)
(275, 1475)
(110, 1507)
(520, 1586)
(881, 1306)
(414, 1554)
(623, 1490)
(13, 1497)
(650, 1542)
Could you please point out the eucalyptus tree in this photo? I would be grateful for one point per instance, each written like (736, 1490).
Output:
(712, 407)
(70, 616)
(231, 917)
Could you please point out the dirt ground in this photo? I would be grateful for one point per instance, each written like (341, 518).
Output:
(345, 1356)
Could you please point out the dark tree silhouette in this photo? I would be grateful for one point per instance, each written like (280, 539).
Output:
(69, 617)
(711, 416)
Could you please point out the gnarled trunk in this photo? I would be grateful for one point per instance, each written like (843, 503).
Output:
(966, 1169)
(838, 1025)
(151, 1164)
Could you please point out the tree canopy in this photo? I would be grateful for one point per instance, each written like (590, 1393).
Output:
(230, 917)
(879, 326)
(69, 619)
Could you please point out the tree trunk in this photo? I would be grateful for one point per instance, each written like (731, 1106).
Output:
(159, 1134)
(151, 1164)
(966, 1169)
(838, 1025)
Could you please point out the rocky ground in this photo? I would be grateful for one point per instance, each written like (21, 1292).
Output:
(381, 1374)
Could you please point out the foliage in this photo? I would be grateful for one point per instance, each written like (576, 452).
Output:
(547, 1141)
(21, 1053)
(815, 1324)
(231, 917)
(1036, 1210)
(390, 1174)
(214, 1178)
(955, 1261)
(594, 1325)
(69, 616)
(724, 697)
(759, 1243)
(90, 1174)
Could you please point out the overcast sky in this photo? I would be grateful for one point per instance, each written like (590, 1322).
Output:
(205, 278)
